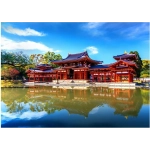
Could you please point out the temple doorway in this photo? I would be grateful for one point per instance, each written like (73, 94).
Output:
(71, 73)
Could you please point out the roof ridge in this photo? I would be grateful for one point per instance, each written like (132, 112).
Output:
(77, 53)
(124, 54)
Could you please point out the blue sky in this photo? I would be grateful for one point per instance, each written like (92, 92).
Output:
(102, 40)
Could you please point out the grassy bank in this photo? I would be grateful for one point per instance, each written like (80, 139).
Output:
(10, 83)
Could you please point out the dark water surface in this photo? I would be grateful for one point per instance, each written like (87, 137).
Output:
(60, 107)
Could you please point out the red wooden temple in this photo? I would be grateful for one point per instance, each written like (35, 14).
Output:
(80, 66)
(75, 66)
(42, 72)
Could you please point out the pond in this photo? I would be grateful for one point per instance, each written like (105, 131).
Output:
(47, 107)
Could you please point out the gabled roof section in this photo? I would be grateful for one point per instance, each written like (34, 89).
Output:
(76, 57)
(130, 63)
(125, 56)
(39, 71)
(107, 66)
(99, 67)
(43, 67)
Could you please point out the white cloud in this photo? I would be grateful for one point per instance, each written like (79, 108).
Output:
(94, 110)
(25, 32)
(136, 31)
(92, 49)
(93, 28)
(28, 115)
(33, 115)
(8, 44)
(93, 25)
(147, 41)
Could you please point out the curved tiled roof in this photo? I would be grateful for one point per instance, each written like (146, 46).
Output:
(125, 61)
(125, 56)
(43, 65)
(99, 67)
(75, 57)
(39, 71)
(130, 63)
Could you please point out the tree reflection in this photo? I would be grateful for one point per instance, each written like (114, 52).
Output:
(132, 108)
(15, 107)
(126, 102)
(145, 95)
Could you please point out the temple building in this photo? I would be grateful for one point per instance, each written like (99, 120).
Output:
(42, 73)
(83, 101)
(75, 66)
(80, 66)
(123, 70)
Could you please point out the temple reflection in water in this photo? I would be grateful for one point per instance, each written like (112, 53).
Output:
(126, 102)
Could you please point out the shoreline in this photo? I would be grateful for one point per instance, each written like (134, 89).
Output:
(80, 85)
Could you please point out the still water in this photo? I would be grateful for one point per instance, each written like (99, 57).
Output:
(61, 107)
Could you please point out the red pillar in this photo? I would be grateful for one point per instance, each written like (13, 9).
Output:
(80, 74)
(110, 75)
(66, 74)
(98, 76)
(34, 76)
(74, 74)
(93, 77)
(105, 77)
(131, 78)
(85, 74)
(43, 77)
(121, 76)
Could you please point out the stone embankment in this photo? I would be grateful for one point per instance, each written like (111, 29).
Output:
(78, 84)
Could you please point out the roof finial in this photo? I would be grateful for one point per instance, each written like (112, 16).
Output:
(125, 52)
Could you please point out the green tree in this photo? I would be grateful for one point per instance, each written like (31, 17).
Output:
(8, 71)
(51, 56)
(14, 59)
(36, 59)
(29, 66)
(4, 71)
(138, 63)
(13, 72)
(145, 68)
